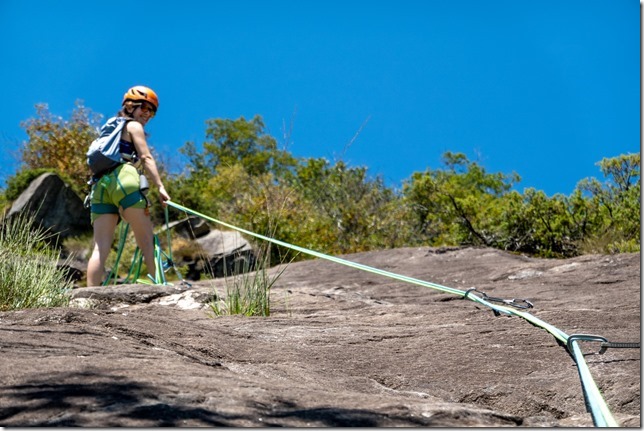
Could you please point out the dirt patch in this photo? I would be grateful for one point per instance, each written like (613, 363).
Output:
(342, 348)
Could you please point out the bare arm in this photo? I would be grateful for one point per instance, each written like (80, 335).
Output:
(137, 134)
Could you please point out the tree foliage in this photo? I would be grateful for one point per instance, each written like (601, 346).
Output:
(618, 199)
(463, 204)
(59, 144)
(356, 209)
(239, 175)
(458, 204)
(229, 143)
(263, 205)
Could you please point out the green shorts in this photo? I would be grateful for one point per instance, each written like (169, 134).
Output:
(120, 188)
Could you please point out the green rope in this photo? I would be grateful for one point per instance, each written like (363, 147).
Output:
(134, 272)
(597, 405)
(168, 234)
(168, 256)
(135, 267)
(159, 274)
(123, 230)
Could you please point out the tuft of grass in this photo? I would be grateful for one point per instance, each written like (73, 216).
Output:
(248, 291)
(29, 275)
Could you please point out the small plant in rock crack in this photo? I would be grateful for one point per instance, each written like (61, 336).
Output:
(248, 291)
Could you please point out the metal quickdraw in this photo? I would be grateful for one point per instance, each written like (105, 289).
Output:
(605, 344)
(514, 302)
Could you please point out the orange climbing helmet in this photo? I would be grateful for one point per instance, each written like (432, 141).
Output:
(141, 93)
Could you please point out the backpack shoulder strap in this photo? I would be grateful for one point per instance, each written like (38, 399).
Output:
(112, 126)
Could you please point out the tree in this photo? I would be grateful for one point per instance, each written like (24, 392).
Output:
(244, 142)
(619, 198)
(459, 204)
(228, 143)
(261, 204)
(536, 224)
(59, 144)
(360, 213)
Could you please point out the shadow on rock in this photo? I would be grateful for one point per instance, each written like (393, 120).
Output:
(114, 400)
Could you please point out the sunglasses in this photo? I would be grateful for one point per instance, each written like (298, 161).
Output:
(146, 107)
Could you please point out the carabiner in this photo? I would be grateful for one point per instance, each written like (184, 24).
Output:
(516, 303)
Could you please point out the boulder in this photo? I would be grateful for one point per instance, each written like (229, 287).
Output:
(55, 206)
(228, 253)
(214, 252)
(190, 228)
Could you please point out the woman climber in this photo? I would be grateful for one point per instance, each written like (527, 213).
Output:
(117, 192)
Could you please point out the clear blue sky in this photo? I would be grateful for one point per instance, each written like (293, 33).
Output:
(542, 88)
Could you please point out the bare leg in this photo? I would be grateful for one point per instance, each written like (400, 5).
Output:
(141, 225)
(104, 227)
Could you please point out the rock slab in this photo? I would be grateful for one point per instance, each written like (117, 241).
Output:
(341, 348)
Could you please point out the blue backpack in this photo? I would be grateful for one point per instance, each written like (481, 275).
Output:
(104, 152)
